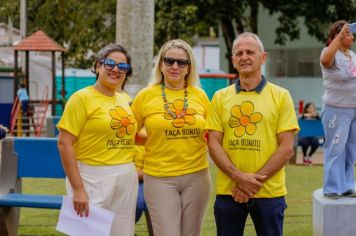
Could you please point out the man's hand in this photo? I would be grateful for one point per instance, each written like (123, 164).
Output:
(250, 183)
(239, 196)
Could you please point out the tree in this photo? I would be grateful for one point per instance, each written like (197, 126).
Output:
(89, 25)
(135, 30)
(237, 16)
(177, 19)
(81, 26)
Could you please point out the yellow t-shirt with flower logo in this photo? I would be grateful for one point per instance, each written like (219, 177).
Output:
(174, 147)
(104, 126)
(250, 122)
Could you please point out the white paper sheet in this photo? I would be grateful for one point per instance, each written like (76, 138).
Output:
(97, 223)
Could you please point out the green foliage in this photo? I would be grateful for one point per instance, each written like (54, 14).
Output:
(82, 26)
(85, 26)
(10, 9)
(177, 19)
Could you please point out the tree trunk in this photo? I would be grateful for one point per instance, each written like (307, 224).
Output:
(253, 15)
(229, 37)
(135, 31)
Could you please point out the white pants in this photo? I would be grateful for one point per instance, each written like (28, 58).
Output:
(113, 188)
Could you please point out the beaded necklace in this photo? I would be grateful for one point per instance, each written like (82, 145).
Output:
(166, 106)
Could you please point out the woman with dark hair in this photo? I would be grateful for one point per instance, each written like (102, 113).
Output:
(309, 113)
(338, 65)
(128, 72)
(96, 142)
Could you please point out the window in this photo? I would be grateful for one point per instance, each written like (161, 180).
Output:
(294, 62)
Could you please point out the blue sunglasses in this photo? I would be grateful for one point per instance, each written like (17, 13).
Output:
(110, 64)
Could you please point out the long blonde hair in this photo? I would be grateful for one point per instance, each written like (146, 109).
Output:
(192, 76)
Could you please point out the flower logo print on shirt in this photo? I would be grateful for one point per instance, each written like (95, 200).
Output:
(122, 121)
(244, 119)
(175, 111)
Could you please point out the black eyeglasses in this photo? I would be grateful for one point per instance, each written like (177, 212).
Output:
(170, 61)
(110, 64)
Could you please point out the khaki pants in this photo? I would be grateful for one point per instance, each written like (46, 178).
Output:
(113, 188)
(177, 205)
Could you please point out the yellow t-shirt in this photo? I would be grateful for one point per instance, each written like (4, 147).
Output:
(104, 126)
(250, 122)
(138, 158)
(127, 97)
(174, 147)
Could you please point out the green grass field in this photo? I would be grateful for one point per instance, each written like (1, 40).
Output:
(301, 183)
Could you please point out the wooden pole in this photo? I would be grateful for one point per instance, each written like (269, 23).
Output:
(54, 99)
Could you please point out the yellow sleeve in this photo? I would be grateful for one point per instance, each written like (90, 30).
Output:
(74, 115)
(213, 121)
(136, 108)
(138, 159)
(206, 103)
(287, 118)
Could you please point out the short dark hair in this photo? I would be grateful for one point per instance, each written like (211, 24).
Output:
(104, 52)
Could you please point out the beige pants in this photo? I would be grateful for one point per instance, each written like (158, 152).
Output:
(177, 205)
(113, 188)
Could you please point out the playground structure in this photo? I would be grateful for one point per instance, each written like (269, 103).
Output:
(39, 41)
(21, 124)
(36, 75)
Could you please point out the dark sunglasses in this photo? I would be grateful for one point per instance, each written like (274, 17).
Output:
(110, 64)
(170, 61)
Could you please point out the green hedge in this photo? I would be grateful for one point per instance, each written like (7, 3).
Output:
(9, 69)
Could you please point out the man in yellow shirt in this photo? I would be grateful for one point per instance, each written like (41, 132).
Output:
(251, 128)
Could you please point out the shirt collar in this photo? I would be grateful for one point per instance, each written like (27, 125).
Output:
(258, 89)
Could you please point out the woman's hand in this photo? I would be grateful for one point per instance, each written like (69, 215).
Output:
(81, 202)
(328, 56)
(66, 141)
(344, 32)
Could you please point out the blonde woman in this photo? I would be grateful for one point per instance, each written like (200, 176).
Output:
(173, 111)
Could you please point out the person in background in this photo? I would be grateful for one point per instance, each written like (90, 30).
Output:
(96, 142)
(23, 98)
(338, 66)
(26, 115)
(173, 111)
(3, 131)
(251, 135)
(309, 113)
